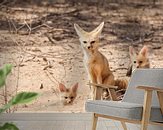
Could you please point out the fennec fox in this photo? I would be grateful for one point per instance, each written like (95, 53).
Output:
(138, 60)
(67, 95)
(95, 62)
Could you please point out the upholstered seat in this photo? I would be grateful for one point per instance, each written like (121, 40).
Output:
(131, 111)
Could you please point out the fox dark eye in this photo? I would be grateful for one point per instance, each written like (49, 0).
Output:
(134, 61)
(71, 97)
(84, 41)
(66, 97)
(140, 62)
(92, 42)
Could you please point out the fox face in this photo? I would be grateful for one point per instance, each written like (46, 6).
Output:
(89, 40)
(68, 95)
(138, 60)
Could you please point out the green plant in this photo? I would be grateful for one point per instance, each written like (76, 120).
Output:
(3, 74)
(20, 98)
(9, 126)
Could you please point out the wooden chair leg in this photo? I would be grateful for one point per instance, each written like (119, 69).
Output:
(146, 109)
(160, 97)
(94, 122)
(124, 125)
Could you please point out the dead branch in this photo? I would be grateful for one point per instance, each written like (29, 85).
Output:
(51, 39)
(34, 28)
(49, 65)
(120, 69)
(48, 73)
(55, 92)
(120, 97)
(121, 90)
(64, 72)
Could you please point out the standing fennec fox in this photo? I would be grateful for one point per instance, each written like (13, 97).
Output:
(138, 60)
(95, 62)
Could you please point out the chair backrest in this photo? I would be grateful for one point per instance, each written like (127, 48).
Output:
(143, 77)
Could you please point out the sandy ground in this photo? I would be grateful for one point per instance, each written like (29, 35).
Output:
(47, 37)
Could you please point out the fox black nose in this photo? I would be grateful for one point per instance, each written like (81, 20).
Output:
(69, 101)
(89, 47)
(137, 67)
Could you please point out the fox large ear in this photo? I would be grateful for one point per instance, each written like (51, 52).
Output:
(75, 87)
(144, 51)
(97, 31)
(131, 51)
(62, 87)
(79, 30)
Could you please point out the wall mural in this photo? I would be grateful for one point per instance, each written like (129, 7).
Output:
(57, 49)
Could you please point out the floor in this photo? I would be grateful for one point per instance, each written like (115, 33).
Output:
(63, 121)
(58, 121)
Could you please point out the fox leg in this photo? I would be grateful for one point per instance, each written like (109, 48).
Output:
(93, 78)
(112, 92)
(98, 91)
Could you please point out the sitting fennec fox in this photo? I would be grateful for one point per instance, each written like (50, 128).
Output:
(138, 60)
(67, 95)
(95, 62)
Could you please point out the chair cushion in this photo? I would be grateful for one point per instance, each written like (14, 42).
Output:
(125, 110)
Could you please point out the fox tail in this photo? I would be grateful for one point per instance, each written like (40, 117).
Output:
(121, 83)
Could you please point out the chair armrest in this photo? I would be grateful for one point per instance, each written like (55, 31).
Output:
(103, 86)
(147, 88)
